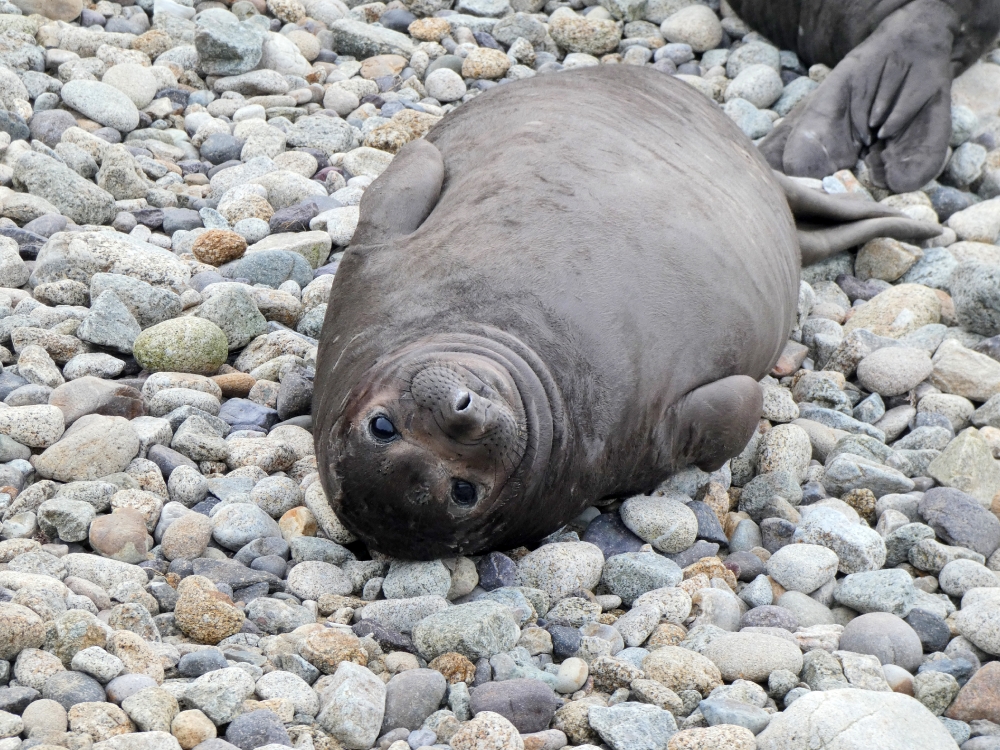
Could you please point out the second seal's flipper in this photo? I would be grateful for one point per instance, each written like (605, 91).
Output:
(908, 156)
(808, 204)
(829, 224)
(772, 148)
(890, 95)
(403, 195)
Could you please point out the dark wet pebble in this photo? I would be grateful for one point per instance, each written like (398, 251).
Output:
(960, 669)
(293, 218)
(776, 533)
(694, 553)
(565, 640)
(220, 148)
(256, 729)
(69, 688)
(397, 19)
(387, 638)
(496, 570)
(709, 528)
(175, 219)
(241, 411)
(197, 663)
(608, 532)
(527, 704)
(15, 699)
(856, 289)
(769, 616)
(167, 459)
(749, 566)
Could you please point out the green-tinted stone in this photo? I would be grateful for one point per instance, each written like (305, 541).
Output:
(182, 345)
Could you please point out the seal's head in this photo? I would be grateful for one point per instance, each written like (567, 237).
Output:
(426, 452)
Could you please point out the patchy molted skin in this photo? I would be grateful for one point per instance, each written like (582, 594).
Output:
(888, 100)
(529, 323)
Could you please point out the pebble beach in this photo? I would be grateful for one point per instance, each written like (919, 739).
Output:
(178, 183)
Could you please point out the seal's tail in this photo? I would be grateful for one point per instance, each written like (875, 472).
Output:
(829, 224)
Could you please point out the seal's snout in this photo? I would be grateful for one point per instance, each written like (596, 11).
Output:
(466, 414)
(459, 401)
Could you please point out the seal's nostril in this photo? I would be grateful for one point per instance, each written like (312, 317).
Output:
(463, 401)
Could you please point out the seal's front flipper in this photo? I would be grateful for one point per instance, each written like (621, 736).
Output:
(715, 421)
(403, 196)
(817, 138)
(829, 224)
(891, 94)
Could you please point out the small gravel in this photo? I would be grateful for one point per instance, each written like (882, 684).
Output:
(180, 180)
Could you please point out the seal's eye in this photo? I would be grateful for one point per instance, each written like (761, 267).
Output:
(382, 429)
(462, 492)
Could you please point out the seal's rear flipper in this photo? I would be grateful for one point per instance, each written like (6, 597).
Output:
(403, 196)
(890, 96)
(829, 224)
(717, 420)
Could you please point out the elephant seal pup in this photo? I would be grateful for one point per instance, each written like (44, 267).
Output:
(889, 97)
(566, 292)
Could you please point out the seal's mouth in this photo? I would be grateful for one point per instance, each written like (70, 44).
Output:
(437, 447)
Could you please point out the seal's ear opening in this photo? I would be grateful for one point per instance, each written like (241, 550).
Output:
(717, 420)
(403, 196)
(829, 224)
